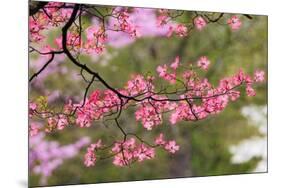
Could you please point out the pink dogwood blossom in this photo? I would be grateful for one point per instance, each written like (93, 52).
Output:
(175, 63)
(234, 22)
(259, 76)
(129, 151)
(200, 23)
(90, 157)
(203, 62)
(171, 146)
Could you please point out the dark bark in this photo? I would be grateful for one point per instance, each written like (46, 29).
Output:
(34, 7)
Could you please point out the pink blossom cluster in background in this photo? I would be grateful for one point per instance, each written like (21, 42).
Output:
(46, 156)
(145, 22)
(123, 27)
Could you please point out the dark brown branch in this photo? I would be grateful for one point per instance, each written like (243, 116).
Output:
(44, 66)
(35, 7)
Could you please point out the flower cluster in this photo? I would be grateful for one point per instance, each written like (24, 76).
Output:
(96, 38)
(149, 112)
(124, 22)
(165, 74)
(98, 104)
(34, 129)
(196, 98)
(73, 41)
(46, 156)
(58, 122)
(169, 145)
(139, 85)
(179, 29)
(164, 19)
(52, 15)
(129, 151)
(199, 99)
(90, 157)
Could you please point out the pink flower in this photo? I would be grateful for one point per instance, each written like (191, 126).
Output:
(200, 23)
(160, 140)
(181, 30)
(234, 95)
(131, 151)
(161, 20)
(250, 91)
(162, 70)
(171, 146)
(144, 152)
(203, 62)
(45, 156)
(90, 157)
(32, 106)
(149, 116)
(175, 63)
(259, 76)
(138, 84)
(170, 31)
(96, 38)
(62, 122)
(96, 145)
(34, 129)
(234, 22)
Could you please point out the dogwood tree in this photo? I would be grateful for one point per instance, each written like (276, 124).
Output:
(184, 96)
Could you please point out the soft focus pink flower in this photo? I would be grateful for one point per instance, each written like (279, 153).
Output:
(32, 106)
(203, 62)
(259, 76)
(162, 70)
(33, 129)
(160, 140)
(175, 63)
(90, 157)
(181, 30)
(200, 23)
(234, 23)
(161, 20)
(170, 31)
(250, 91)
(62, 122)
(45, 156)
(171, 146)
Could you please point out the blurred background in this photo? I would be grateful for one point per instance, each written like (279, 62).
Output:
(232, 142)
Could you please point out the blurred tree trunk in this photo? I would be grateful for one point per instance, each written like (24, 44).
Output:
(181, 162)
